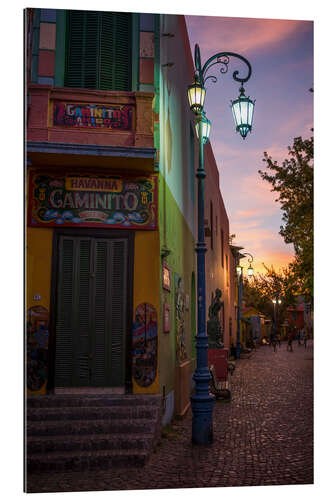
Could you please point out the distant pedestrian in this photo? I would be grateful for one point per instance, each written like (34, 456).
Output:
(290, 341)
(279, 339)
(305, 339)
(299, 338)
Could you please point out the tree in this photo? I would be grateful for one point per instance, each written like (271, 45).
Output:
(261, 289)
(293, 181)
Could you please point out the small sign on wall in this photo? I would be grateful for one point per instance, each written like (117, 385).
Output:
(166, 318)
(166, 276)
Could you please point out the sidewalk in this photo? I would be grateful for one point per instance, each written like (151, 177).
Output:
(263, 436)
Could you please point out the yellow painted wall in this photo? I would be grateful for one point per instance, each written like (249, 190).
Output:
(146, 285)
(38, 266)
(38, 272)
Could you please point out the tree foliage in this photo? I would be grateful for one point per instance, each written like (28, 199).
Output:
(260, 290)
(293, 181)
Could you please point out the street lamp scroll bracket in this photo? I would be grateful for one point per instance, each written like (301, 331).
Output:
(222, 58)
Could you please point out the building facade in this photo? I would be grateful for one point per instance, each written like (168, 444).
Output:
(111, 154)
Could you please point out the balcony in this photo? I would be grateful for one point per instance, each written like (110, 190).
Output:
(80, 127)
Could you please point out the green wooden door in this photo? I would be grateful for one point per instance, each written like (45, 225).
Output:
(91, 312)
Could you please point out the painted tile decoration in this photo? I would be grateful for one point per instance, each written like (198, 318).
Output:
(47, 36)
(146, 70)
(48, 15)
(37, 349)
(46, 63)
(147, 48)
(93, 201)
(147, 22)
(45, 80)
(145, 344)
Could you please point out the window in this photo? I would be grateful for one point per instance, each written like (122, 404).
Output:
(98, 50)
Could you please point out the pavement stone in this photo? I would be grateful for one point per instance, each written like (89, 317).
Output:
(263, 436)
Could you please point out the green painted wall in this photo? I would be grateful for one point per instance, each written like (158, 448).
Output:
(181, 260)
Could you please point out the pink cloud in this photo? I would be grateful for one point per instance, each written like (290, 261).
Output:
(242, 34)
(244, 214)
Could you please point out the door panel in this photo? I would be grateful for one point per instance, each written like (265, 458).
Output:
(64, 319)
(91, 312)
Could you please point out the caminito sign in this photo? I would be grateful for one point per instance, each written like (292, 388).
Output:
(92, 115)
(92, 201)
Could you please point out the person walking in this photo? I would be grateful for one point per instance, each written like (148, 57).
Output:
(299, 338)
(305, 339)
(290, 341)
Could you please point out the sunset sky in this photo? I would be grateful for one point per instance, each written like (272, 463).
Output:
(281, 55)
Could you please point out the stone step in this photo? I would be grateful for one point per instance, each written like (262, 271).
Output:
(92, 413)
(85, 427)
(85, 460)
(89, 442)
(56, 401)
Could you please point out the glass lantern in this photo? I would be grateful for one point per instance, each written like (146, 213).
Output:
(242, 110)
(206, 126)
(196, 97)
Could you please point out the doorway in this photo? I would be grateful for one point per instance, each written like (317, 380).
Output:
(92, 313)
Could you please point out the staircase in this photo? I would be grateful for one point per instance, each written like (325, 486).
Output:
(77, 433)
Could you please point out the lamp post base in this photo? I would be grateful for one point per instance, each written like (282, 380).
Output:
(202, 420)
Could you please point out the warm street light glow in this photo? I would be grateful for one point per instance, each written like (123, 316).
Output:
(279, 301)
(206, 125)
(196, 97)
(250, 270)
(274, 301)
(239, 270)
(242, 110)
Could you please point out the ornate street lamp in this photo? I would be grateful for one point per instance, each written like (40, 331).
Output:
(240, 296)
(276, 301)
(202, 401)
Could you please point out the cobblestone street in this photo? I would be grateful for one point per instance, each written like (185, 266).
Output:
(264, 436)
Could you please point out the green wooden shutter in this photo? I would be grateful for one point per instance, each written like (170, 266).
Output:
(64, 319)
(81, 312)
(118, 298)
(99, 337)
(98, 50)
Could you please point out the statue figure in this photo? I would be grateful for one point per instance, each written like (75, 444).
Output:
(214, 329)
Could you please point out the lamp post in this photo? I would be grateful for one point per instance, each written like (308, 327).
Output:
(239, 271)
(276, 302)
(202, 401)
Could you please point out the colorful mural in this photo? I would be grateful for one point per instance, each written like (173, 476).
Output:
(180, 320)
(145, 344)
(92, 115)
(93, 201)
(37, 348)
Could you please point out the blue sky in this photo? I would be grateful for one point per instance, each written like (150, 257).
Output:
(281, 55)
